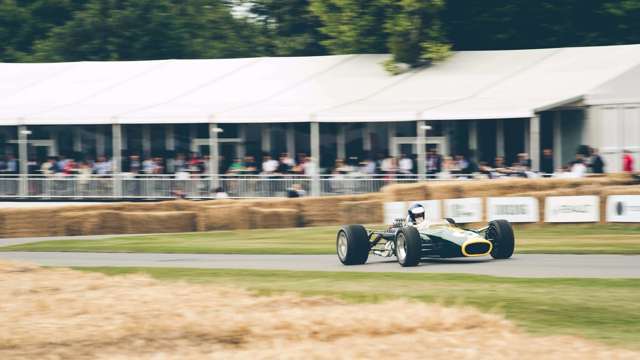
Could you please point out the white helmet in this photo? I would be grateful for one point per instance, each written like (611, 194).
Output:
(417, 213)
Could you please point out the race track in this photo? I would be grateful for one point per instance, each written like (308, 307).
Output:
(523, 265)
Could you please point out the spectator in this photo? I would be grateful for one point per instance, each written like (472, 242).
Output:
(310, 168)
(286, 164)
(388, 165)
(368, 167)
(578, 167)
(12, 165)
(269, 165)
(547, 162)
(524, 161)
(219, 193)
(405, 165)
(595, 162)
(102, 166)
(134, 164)
(627, 161)
(148, 166)
(340, 168)
(434, 162)
(295, 191)
(236, 167)
(48, 167)
(250, 166)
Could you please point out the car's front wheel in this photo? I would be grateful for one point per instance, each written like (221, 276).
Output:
(500, 233)
(352, 245)
(408, 246)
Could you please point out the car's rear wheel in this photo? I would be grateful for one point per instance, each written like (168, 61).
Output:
(500, 233)
(408, 246)
(352, 245)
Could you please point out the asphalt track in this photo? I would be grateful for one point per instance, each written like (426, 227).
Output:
(521, 265)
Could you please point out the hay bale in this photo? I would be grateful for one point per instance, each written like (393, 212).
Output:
(275, 218)
(103, 222)
(324, 210)
(33, 222)
(224, 217)
(362, 212)
(159, 222)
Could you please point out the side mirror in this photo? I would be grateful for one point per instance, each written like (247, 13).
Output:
(451, 221)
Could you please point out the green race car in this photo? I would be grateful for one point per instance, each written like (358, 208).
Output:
(411, 243)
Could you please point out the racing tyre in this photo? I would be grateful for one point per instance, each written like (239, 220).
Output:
(500, 233)
(352, 245)
(408, 246)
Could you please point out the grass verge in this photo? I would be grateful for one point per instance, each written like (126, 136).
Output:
(552, 239)
(606, 310)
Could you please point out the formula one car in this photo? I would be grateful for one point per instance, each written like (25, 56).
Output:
(411, 244)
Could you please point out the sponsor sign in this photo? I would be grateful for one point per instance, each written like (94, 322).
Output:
(466, 210)
(513, 209)
(570, 209)
(394, 210)
(623, 208)
(432, 207)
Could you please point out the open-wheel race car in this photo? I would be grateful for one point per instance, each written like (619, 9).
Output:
(411, 243)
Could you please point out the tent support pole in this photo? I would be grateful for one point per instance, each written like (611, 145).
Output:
(266, 138)
(291, 140)
(169, 138)
(391, 133)
(341, 149)
(116, 145)
(146, 141)
(213, 156)
(473, 140)
(23, 160)
(420, 146)
(500, 137)
(534, 142)
(315, 157)
(100, 148)
(557, 139)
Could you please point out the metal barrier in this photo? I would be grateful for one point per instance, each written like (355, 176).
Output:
(193, 186)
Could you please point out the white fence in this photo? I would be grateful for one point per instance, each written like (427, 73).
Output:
(194, 186)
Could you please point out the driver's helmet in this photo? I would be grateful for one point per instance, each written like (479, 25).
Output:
(417, 213)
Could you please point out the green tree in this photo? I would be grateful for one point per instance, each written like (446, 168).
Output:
(289, 25)
(149, 29)
(22, 22)
(408, 29)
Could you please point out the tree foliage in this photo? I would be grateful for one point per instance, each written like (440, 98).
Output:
(415, 32)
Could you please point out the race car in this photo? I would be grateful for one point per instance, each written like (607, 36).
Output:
(411, 243)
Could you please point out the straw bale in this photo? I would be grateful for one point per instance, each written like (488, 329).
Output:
(102, 222)
(30, 222)
(362, 212)
(224, 217)
(160, 221)
(274, 203)
(324, 210)
(274, 218)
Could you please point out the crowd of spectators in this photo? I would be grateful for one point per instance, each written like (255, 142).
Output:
(587, 160)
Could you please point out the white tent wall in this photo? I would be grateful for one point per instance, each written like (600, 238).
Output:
(614, 129)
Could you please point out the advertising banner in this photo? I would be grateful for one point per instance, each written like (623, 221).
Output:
(572, 209)
(623, 208)
(394, 210)
(513, 209)
(465, 210)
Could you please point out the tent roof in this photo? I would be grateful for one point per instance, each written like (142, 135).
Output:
(469, 85)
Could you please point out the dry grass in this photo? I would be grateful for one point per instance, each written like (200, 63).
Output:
(61, 313)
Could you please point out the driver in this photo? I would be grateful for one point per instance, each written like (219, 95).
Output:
(417, 215)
